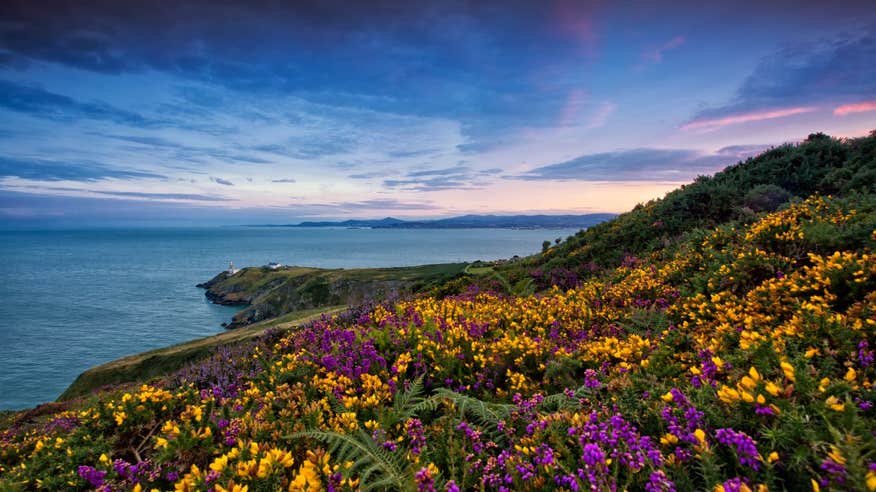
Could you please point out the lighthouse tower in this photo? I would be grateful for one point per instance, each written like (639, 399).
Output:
(231, 269)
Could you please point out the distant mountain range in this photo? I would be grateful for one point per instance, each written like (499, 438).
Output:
(468, 222)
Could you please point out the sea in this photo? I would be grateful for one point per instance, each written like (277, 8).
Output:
(73, 299)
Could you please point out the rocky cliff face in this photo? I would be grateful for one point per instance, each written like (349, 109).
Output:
(272, 293)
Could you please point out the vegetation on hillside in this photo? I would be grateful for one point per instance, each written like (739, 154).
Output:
(159, 362)
(269, 293)
(819, 164)
(737, 355)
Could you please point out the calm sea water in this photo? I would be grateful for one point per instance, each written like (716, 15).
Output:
(75, 299)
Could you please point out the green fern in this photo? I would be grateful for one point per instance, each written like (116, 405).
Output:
(524, 288)
(562, 401)
(376, 467)
(406, 399)
(488, 415)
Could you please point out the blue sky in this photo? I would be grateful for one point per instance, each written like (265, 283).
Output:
(118, 112)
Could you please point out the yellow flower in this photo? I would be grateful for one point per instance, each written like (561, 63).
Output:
(265, 468)
(667, 397)
(772, 388)
(728, 394)
(668, 439)
(788, 369)
(835, 404)
(754, 374)
(836, 455)
(871, 480)
(850, 375)
(219, 464)
(773, 457)
(815, 487)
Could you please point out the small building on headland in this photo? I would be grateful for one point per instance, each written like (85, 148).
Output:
(273, 265)
(231, 270)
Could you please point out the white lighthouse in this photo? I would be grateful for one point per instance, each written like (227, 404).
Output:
(231, 269)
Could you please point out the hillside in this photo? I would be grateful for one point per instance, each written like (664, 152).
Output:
(271, 293)
(760, 184)
(160, 362)
(727, 348)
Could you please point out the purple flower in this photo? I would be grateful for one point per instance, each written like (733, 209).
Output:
(425, 480)
(591, 380)
(544, 455)
(658, 482)
(736, 485)
(865, 355)
(91, 475)
(746, 450)
(593, 455)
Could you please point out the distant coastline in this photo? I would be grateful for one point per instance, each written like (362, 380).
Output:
(465, 222)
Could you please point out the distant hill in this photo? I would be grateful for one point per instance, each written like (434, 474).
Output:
(469, 222)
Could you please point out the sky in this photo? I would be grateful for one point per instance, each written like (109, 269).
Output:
(217, 112)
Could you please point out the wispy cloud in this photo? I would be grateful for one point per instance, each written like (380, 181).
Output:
(55, 170)
(284, 180)
(160, 196)
(643, 164)
(708, 124)
(579, 111)
(361, 208)
(655, 55)
(223, 182)
(188, 152)
(859, 107)
(450, 178)
(601, 115)
(41, 103)
(387, 204)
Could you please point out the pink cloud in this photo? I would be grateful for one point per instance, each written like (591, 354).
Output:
(715, 123)
(571, 111)
(599, 118)
(855, 108)
(656, 54)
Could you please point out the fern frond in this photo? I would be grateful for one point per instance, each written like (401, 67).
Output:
(426, 405)
(376, 467)
(484, 413)
(408, 398)
(561, 401)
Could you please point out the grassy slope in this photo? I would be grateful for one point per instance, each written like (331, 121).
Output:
(272, 293)
(155, 363)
